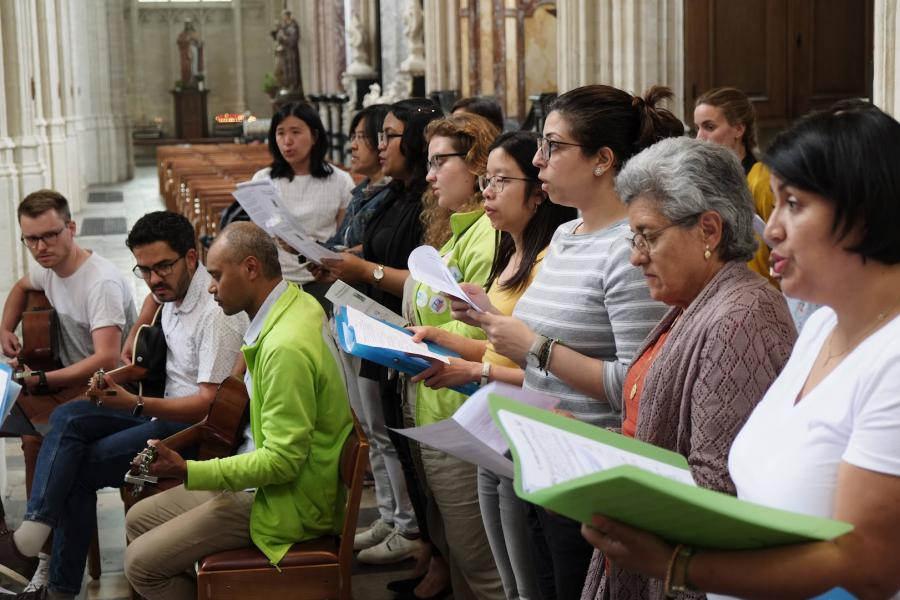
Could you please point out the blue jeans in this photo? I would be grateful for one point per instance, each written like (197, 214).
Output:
(86, 449)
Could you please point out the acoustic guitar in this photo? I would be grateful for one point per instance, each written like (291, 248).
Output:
(40, 334)
(216, 436)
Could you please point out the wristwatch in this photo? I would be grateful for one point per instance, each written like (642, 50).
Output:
(378, 274)
(533, 358)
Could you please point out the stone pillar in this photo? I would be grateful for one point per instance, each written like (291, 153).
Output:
(240, 84)
(20, 89)
(629, 44)
(51, 93)
(394, 45)
(71, 116)
(442, 70)
(886, 84)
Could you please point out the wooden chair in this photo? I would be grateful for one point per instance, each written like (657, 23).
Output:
(312, 570)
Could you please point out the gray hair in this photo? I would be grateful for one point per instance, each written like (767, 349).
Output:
(688, 177)
(243, 238)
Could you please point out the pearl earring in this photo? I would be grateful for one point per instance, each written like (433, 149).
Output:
(707, 254)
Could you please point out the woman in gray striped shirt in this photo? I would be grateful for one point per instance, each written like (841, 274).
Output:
(578, 325)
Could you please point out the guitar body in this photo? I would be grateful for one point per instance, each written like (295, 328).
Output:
(40, 333)
(149, 354)
(217, 436)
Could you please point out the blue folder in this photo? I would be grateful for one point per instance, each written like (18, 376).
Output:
(393, 359)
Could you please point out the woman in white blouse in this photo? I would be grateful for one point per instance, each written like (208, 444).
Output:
(825, 440)
(316, 193)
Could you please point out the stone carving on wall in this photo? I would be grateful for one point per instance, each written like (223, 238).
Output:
(190, 54)
(287, 55)
(413, 27)
(359, 44)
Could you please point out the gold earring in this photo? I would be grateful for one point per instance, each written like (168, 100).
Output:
(707, 254)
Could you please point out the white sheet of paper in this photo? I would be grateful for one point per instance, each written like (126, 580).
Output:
(342, 294)
(427, 266)
(369, 332)
(759, 226)
(308, 247)
(551, 456)
(9, 392)
(260, 200)
(471, 434)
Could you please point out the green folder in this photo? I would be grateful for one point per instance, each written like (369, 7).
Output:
(675, 511)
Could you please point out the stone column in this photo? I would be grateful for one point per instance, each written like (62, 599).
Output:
(442, 70)
(886, 84)
(71, 116)
(240, 84)
(51, 93)
(629, 44)
(20, 89)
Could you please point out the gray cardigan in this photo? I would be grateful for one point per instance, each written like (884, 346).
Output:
(716, 365)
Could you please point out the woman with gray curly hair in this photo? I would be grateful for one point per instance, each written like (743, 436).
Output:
(727, 334)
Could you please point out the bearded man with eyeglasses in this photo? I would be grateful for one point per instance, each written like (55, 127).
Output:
(90, 447)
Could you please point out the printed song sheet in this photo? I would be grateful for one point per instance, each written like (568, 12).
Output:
(369, 332)
(342, 294)
(551, 456)
(427, 266)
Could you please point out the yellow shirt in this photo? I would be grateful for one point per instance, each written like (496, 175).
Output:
(764, 204)
(505, 300)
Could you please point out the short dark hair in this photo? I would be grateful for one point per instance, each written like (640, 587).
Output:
(244, 239)
(163, 226)
(39, 202)
(485, 106)
(318, 166)
(850, 155)
(521, 146)
(601, 116)
(415, 114)
(374, 115)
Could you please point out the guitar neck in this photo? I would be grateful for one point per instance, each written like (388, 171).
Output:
(127, 374)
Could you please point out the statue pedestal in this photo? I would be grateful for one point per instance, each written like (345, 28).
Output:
(191, 120)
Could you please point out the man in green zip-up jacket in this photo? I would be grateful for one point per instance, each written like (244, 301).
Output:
(299, 419)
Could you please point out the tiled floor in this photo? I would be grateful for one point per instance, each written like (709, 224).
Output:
(141, 196)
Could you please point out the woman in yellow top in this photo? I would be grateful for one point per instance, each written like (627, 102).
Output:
(525, 222)
(726, 116)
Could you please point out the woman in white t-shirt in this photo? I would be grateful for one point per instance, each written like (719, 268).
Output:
(316, 193)
(825, 439)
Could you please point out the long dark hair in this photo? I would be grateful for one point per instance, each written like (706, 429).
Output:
(318, 167)
(521, 146)
(415, 114)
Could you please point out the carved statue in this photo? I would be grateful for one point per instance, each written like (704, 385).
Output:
(287, 54)
(358, 41)
(190, 54)
(413, 26)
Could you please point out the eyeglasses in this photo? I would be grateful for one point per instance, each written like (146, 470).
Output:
(643, 241)
(496, 182)
(437, 160)
(384, 138)
(546, 146)
(50, 238)
(360, 136)
(162, 269)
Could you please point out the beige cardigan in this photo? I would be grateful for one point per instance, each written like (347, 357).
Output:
(716, 365)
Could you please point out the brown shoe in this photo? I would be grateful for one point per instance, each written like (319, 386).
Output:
(13, 563)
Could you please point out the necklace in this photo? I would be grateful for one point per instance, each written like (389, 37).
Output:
(855, 341)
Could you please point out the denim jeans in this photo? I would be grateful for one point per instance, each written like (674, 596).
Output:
(86, 449)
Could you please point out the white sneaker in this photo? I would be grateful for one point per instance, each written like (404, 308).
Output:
(374, 535)
(41, 575)
(393, 549)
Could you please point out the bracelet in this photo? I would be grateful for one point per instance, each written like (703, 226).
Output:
(42, 387)
(546, 362)
(485, 373)
(667, 585)
(138, 407)
(680, 569)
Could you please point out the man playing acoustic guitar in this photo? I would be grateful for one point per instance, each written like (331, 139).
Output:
(89, 447)
(299, 419)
